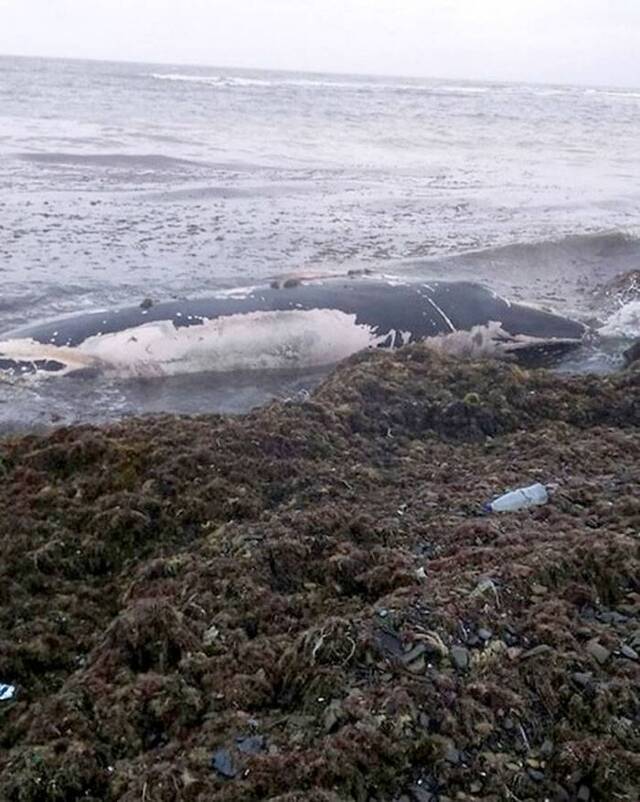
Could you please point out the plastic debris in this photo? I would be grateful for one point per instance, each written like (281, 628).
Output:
(7, 692)
(520, 499)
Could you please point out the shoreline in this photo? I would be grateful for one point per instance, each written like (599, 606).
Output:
(307, 602)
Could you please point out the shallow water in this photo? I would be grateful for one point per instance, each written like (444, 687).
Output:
(121, 182)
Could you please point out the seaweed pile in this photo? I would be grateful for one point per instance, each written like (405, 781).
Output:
(308, 602)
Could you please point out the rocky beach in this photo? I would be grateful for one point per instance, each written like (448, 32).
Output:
(309, 601)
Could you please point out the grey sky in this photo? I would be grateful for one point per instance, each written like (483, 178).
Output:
(564, 41)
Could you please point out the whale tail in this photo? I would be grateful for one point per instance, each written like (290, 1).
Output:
(26, 357)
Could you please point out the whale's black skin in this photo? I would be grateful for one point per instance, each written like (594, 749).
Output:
(420, 309)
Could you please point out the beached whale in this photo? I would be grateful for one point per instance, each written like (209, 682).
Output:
(296, 324)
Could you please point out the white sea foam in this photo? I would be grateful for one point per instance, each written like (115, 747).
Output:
(462, 90)
(621, 93)
(235, 81)
(624, 322)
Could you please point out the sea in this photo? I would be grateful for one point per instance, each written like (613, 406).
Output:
(121, 182)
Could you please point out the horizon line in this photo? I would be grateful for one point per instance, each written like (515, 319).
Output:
(293, 71)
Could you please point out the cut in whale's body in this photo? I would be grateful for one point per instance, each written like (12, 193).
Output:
(308, 324)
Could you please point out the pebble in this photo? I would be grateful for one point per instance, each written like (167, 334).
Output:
(611, 617)
(598, 651)
(484, 634)
(535, 775)
(421, 794)
(333, 715)
(584, 794)
(452, 755)
(582, 678)
(543, 648)
(627, 651)
(250, 744)
(460, 657)
(222, 762)
(211, 635)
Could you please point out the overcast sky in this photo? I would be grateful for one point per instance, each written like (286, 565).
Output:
(563, 41)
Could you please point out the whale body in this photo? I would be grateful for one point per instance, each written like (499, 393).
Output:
(299, 324)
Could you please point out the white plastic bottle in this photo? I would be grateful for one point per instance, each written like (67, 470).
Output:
(520, 499)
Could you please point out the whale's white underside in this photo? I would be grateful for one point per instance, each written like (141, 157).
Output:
(248, 341)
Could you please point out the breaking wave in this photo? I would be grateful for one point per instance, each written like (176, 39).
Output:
(623, 323)
(222, 81)
(147, 161)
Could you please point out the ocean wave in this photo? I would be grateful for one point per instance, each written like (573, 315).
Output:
(231, 81)
(147, 161)
(462, 90)
(620, 93)
(625, 322)
(607, 245)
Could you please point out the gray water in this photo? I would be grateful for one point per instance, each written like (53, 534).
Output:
(125, 181)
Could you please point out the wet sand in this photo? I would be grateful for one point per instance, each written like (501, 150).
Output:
(308, 602)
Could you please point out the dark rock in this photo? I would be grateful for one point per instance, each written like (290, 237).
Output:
(222, 762)
(419, 794)
(452, 755)
(333, 715)
(250, 744)
(388, 643)
(460, 657)
(611, 617)
(632, 354)
(543, 648)
(582, 678)
(535, 775)
(598, 651)
(146, 304)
